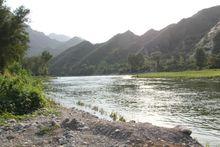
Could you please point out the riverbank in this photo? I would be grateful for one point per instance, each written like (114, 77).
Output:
(210, 73)
(71, 127)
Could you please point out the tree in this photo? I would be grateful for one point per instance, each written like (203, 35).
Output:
(214, 61)
(13, 36)
(38, 65)
(46, 56)
(136, 62)
(156, 56)
(200, 58)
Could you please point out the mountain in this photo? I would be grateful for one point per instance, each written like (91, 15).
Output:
(207, 42)
(66, 45)
(64, 63)
(59, 37)
(149, 36)
(39, 42)
(114, 50)
(183, 36)
(111, 56)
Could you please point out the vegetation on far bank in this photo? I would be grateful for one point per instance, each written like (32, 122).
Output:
(208, 73)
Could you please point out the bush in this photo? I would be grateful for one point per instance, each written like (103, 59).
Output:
(19, 92)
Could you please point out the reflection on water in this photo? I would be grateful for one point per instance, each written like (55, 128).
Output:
(194, 103)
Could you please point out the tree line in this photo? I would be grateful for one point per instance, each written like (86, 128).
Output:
(157, 61)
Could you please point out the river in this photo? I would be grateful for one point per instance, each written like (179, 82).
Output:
(194, 103)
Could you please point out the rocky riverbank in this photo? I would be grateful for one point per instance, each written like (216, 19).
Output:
(78, 128)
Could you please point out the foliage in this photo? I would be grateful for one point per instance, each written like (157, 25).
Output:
(80, 103)
(210, 73)
(19, 92)
(122, 119)
(136, 62)
(215, 61)
(114, 116)
(38, 65)
(51, 109)
(47, 130)
(156, 57)
(200, 57)
(13, 36)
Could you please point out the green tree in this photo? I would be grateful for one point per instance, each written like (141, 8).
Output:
(214, 61)
(136, 62)
(13, 36)
(200, 58)
(45, 57)
(156, 57)
(38, 65)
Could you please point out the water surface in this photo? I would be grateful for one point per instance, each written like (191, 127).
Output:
(194, 103)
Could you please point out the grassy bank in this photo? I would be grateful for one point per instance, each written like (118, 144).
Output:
(209, 73)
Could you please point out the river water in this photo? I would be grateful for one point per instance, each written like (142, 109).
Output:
(194, 103)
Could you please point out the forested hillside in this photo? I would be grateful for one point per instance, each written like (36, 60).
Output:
(172, 48)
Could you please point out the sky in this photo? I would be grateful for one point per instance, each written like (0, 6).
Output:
(99, 20)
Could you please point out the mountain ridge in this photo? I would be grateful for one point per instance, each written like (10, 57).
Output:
(175, 39)
(59, 37)
(40, 42)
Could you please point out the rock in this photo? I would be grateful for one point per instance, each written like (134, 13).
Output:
(65, 121)
(10, 137)
(73, 124)
(128, 142)
(117, 130)
(69, 134)
(27, 142)
(19, 127)
(12, 121)
(132, 121)
(183, 130)
(7, 128)
(85, 143)
(150, 143)
(54, 123)
(85, 128)
(1, 130)
(63, 140)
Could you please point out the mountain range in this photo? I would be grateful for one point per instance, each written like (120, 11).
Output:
(54, 43)
(182, 37)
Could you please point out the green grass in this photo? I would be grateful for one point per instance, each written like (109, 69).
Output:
(209, 73)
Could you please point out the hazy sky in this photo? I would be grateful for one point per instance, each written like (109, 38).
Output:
(98, 20)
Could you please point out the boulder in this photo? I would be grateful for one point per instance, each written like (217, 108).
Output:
(183, 130)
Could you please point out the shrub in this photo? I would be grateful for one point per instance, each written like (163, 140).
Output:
(19, 92)
(122, 119)
(114, 116)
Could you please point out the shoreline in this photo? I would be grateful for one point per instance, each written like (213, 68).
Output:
(73, 127)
